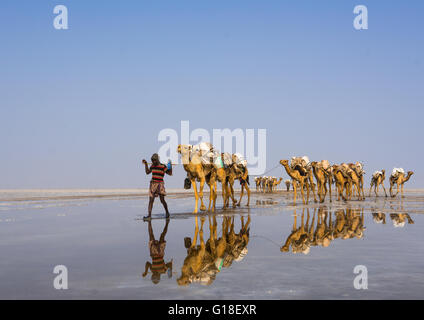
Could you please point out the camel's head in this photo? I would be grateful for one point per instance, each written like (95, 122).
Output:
(326, 242)
(284, 162)
(183, 148)
(410, 173)
(284, 249)
(314, 163)
(383, 171)
(183, 280)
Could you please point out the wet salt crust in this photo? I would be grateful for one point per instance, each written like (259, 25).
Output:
(105, 248)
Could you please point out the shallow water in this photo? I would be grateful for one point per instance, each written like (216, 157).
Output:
(104, 245)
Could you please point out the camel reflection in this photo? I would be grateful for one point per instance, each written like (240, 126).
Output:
(398, 219)
(204, 261)
(265, 202)
(379, 217)
(321, 231)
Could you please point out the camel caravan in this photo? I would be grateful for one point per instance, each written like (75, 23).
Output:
(267, 184)
(347, 177)
(204, 164)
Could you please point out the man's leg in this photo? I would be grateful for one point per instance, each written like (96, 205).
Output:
(151, 235)
(151, 200)
(165, 230)
(165, 205)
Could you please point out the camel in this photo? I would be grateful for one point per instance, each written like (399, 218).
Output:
(197, 171)
(300, 176)
(304, 166)
(322, 173)
(264, 184)
(275, 183)
(377, 179)
(342, 181)
(288, 184)
(258, 182)
(240, 172)
(268, 183)
(355, 182)
(398, 178)
(357, 168)
(209, 171)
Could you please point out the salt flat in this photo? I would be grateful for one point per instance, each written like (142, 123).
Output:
(104, 245)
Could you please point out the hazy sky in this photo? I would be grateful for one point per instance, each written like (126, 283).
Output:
(79, 108)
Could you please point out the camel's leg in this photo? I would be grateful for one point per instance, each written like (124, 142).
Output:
(224, 193)
(196, 231)
(196, 196)
(202, 241)
(311, 180)
(384, 189)
(307, 189)
(232, 195)
(401, 189)
(371, 189)
(321, 192)
(202, 184)
(329, 188)
(295, 192)
(324, 191)
(349, 191)
(210, 196)
(362, 187)
(338, 190)
(248, 194)
(303, 192)
(211, 237)
(342, 187)
(391, 188)
(241, 195)
(359, 192)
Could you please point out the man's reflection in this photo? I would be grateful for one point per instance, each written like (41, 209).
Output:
(157, 253)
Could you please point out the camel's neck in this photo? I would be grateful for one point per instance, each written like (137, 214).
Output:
(407, 177)
(289, 171)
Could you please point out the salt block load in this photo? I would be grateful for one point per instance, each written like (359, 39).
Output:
(376, 174)
(397, 171)
(239, 160)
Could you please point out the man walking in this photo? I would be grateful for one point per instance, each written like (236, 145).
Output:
(157, 185)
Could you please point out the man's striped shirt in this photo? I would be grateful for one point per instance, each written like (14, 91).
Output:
(158, 172)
